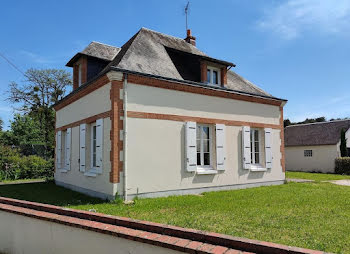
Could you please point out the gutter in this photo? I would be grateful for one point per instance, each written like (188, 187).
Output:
(125, 143)
(184, 82)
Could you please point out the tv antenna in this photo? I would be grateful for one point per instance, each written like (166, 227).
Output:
(186, 13)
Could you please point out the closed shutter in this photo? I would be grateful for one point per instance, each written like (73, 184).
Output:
(246, 147)
(82, 147)
(59, 149)
(68, 148)
(191, 146)
(268, 147)
(99, 145)
(220, 146)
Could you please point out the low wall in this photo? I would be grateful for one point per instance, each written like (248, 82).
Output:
(28, 227)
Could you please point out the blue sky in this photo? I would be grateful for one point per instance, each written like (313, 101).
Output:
(294, 49)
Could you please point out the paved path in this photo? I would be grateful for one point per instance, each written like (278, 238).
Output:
(296, 180)
(341, 182)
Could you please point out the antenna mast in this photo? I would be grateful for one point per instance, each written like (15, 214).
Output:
(186, 12)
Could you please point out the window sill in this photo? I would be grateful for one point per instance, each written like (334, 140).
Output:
(91, 173)
(257, 168)
(206, 171)
(63, 170)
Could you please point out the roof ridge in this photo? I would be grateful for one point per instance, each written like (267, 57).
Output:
(303, 124)
(104, 44)
(168, 35)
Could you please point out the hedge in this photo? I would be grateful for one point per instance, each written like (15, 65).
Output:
(342, 166)
(15, 166)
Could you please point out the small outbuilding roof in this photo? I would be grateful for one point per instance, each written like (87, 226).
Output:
(313, 134)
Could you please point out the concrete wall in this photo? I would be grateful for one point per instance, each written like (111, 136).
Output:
(92, 104)
(322, 159)
(156, 148)
(20, 234)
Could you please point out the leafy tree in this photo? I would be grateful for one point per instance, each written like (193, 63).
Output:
(343, 148)
(1, 124)
(37, 94)
(25, 130)
(286, 122)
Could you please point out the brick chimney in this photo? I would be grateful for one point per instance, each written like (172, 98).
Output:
(190, 39)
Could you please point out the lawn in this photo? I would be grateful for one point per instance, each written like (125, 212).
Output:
(311, 215)
(316, 176)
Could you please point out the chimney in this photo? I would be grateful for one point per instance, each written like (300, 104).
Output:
(190, 39)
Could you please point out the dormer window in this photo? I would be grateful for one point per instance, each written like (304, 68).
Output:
(79, 75)
(213, 76)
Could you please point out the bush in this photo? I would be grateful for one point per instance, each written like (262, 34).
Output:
(342, 166)
(14, 166)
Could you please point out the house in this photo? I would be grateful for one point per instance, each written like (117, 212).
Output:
(313, 147)
(158, 117)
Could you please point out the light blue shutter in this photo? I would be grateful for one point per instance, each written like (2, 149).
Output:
(246, 147)
(68, 148)
(82, 147)
(99, 145)
(191, 146)
(59, 149)
(268, 147)
(220, 146)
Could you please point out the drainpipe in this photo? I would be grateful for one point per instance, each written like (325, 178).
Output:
(125, 143)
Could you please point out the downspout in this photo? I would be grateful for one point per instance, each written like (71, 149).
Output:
(125, 143)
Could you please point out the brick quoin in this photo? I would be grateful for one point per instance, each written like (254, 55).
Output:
(83, 62)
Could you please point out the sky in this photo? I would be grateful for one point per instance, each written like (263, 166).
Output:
(297, 50)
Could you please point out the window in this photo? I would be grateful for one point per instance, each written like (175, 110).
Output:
(255, 146)
(307, 153)
(203, 145)
(93, 145)
(79, 75)
(213, 76)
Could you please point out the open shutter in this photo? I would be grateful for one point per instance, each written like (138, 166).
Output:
(99, 145)
(59, 149)
(68, 148)
(82, 147)
(268, 147)
(220, 146)
(246, 147)
(191, 146)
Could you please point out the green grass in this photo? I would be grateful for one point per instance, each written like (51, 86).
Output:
(310, 215)
(316, 176)
(20, 180)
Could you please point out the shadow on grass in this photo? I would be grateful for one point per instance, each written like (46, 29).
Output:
(47, 193)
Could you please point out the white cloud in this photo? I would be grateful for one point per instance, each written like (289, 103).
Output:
(292, 18)
(36, 58)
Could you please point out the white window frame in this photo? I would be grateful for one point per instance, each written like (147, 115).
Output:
(79, 75)
(93, 168)
(252, 147)
(308, 153)
(205, 168)
(212, 69)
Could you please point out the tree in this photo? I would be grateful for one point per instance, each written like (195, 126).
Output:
(1, 124)
(37, 94)
(343, 148)
(286, 122)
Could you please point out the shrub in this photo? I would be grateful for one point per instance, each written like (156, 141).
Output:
(342, 166)
(15, 166)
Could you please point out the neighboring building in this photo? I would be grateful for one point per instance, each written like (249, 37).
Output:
(313, 147)
(192, 124)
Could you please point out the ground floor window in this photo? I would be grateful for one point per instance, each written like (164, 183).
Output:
(203, 133)
(93, 146)
(307, 153)
(255, 146)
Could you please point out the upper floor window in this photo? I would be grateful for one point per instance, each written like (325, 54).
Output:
(255, 146)
(213, 76)
(79, 75)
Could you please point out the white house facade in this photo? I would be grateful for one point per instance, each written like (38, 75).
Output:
(158, 117)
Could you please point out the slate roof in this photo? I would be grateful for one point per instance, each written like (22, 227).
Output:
(325, 133)
(158, 54)
(98, 50)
